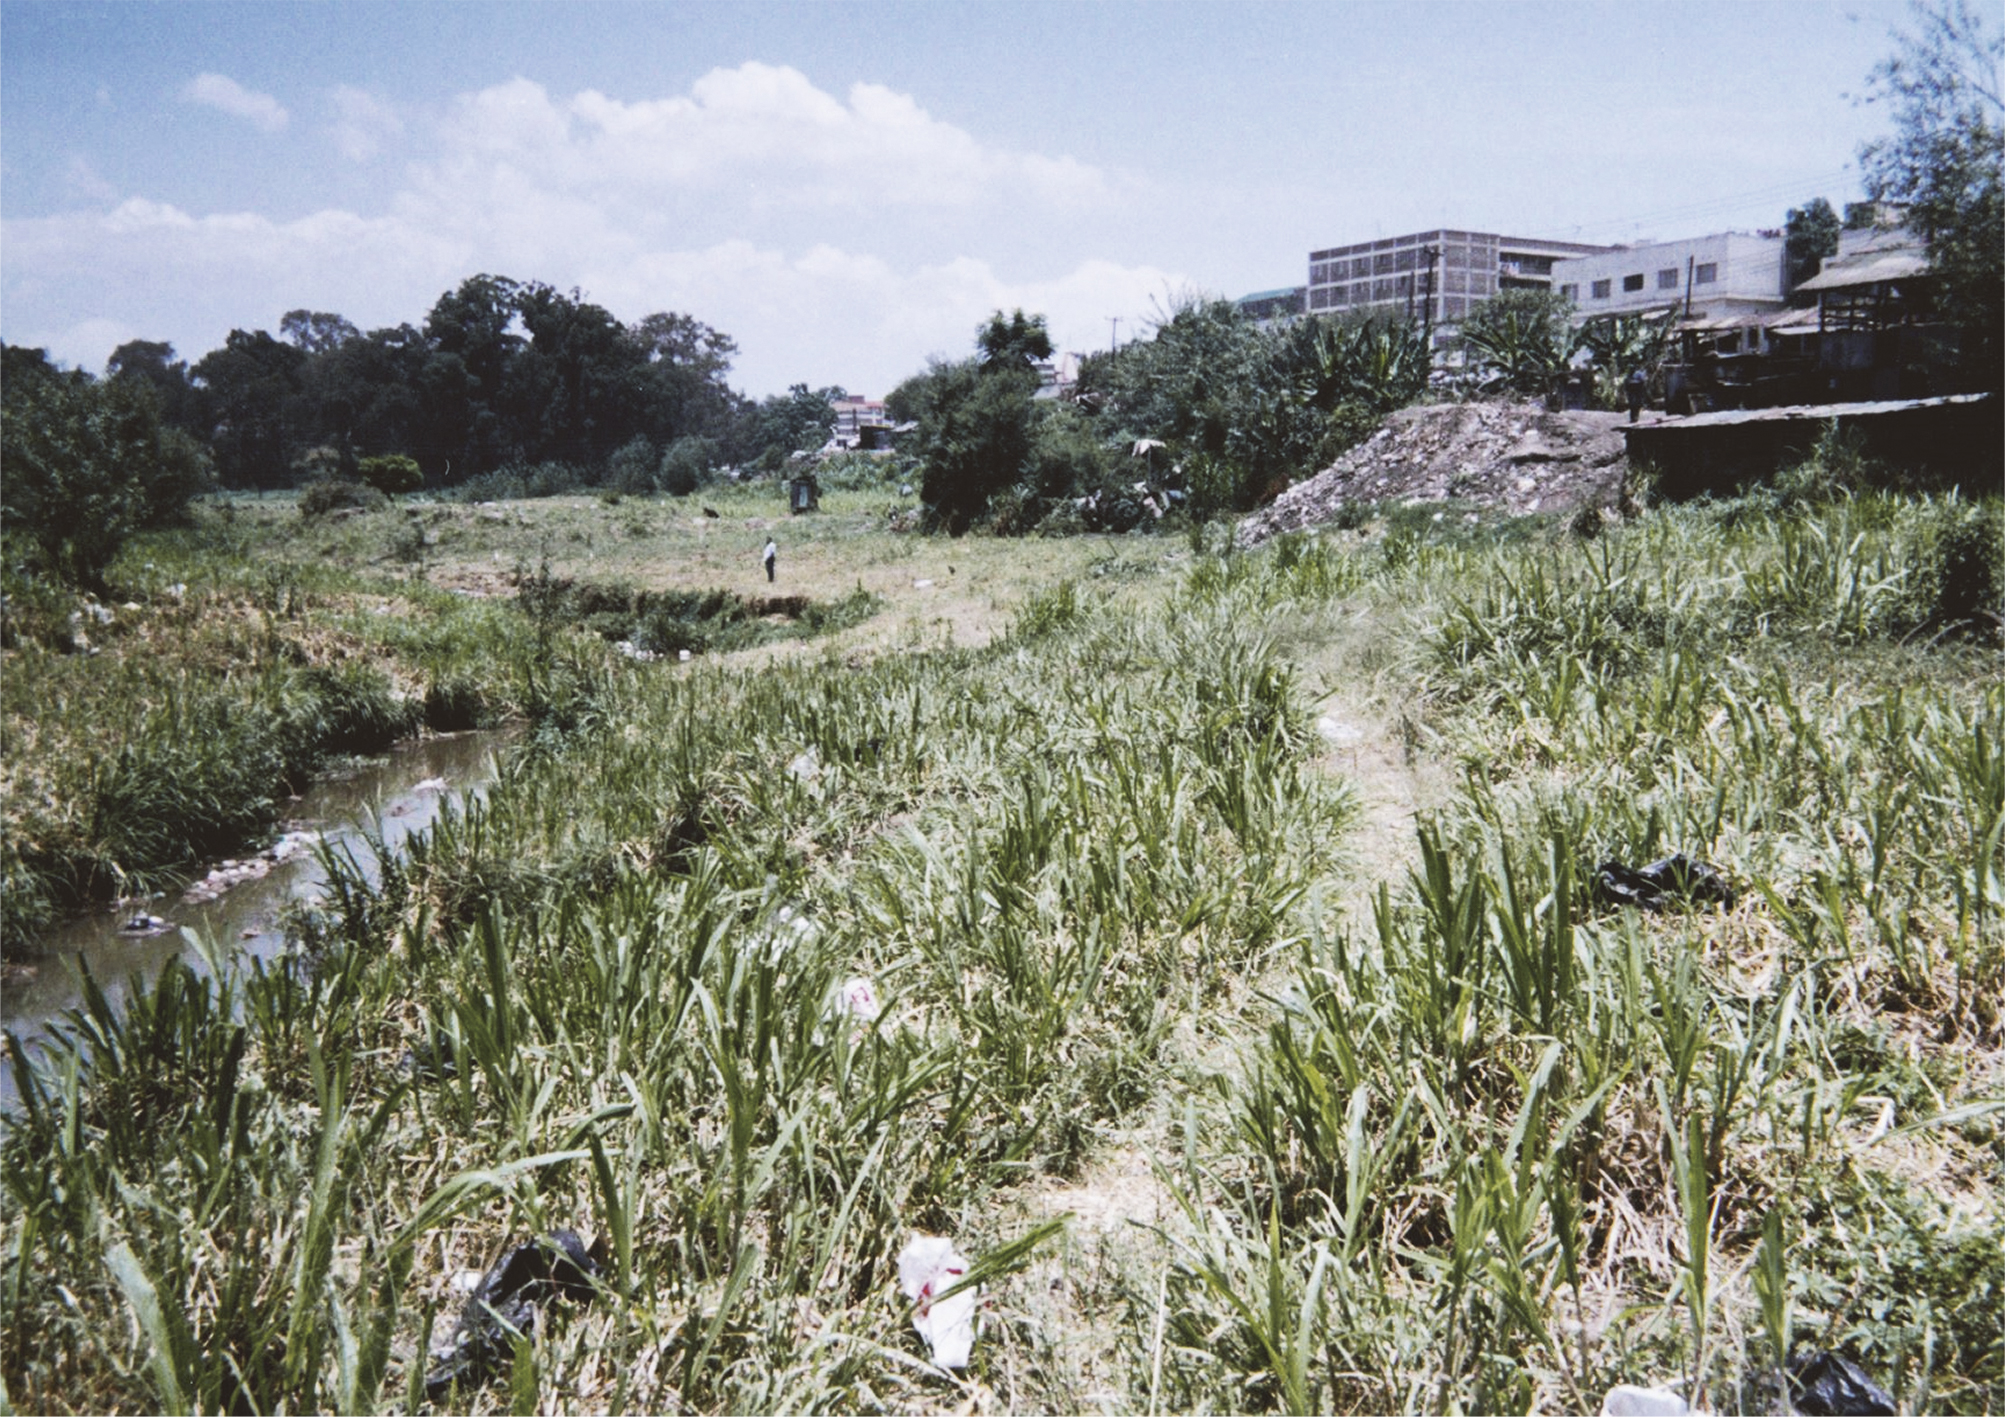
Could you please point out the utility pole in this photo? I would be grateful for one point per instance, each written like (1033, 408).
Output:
(1433, 254)
(1114, 333)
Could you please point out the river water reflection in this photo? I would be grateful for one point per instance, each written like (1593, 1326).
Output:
(393, 797)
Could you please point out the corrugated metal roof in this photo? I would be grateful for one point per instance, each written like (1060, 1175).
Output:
(1869, 268)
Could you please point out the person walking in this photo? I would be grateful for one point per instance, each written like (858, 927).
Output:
(1637, 388)
(770, 556)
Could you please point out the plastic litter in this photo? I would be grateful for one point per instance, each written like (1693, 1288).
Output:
(1660, 883)
(927, 1268)
(1623, 1400)
(858, 999)
(143, 924)
(805, 767)
(1825, 1384)
(504, 1304)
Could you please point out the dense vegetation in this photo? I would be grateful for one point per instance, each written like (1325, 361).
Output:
(1403, 1119)
(500, 374)
(1209, 414)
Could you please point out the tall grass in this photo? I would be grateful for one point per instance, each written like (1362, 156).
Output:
(1459, 1137)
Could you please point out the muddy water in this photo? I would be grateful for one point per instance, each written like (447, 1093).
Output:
(392, 797)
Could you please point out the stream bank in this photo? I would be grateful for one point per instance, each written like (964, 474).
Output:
(390, 798)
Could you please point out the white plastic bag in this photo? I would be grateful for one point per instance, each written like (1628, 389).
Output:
(1624, 1400)
(927, 1268)
(858, 999)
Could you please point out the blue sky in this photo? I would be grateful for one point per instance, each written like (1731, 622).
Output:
(848, 188)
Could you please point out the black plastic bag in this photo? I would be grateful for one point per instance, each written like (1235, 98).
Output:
(1827, 1385)
(504, 1306)
(1660, 883)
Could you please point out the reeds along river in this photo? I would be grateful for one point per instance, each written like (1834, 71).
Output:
(392, 798)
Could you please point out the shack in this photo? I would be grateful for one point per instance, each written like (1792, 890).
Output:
(1941, 442)
(803, 493)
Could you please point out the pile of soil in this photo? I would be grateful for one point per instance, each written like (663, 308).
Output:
(1517, 458)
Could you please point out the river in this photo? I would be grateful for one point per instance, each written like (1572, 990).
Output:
(395, 797)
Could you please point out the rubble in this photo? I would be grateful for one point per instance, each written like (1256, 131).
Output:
(1517, 458)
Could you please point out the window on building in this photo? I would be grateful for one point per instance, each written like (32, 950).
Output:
(1634, 282)
(1600, 289)
(1706, 273)
(1382, 264)
(1319, 299)
(1569, 292)
(1667, 280)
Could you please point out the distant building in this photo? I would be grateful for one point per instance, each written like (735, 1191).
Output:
(1264, 306)
(856, 422)
(1723, 276)
(1435, 277)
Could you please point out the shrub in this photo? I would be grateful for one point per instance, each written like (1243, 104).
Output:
(392, 473)
(319, 499)
(1963, 582)
(685, 464)
(88, 464)
(630, 470)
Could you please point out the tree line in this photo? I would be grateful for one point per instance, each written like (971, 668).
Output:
(500, 372)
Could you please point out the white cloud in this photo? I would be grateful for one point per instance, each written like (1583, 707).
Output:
(362, 123)
(220, 92)
(837, 239)
(757, 132)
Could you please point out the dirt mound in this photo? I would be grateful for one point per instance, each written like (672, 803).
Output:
(1518, 458)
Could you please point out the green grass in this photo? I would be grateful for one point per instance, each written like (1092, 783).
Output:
(1438, 1133)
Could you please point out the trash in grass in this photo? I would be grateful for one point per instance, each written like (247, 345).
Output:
(1660, 883)
(1825, 1384)
(1623, 1400)
(431, 1058)
(858, 999)
(504, 1305)
(805, 767)
(927, 1268)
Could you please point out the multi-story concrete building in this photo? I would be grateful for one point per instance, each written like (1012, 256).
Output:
(1266, 306)
(854, 420)
(1731, 273)
(1433, 276)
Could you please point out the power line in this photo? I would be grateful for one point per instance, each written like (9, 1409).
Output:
(1801, 189)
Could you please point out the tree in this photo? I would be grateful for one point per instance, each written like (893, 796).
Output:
(1810, 234)
(152, 362)
(88, 463)
(974, 434)
(1017, 340)
(799, 420)
(682, 377)
(315, 331)
(255, 420)
(1525, 336)
(1945, 161)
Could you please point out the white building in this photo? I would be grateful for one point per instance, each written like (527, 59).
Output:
(853, 420)
(1728, 274)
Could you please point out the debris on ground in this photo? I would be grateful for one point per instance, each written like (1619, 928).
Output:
(1826, 1384)
(1516, 458)
(1624, 1400)
(927, 1268)
(1662, 883)
(858, 999)
(504, 1306)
